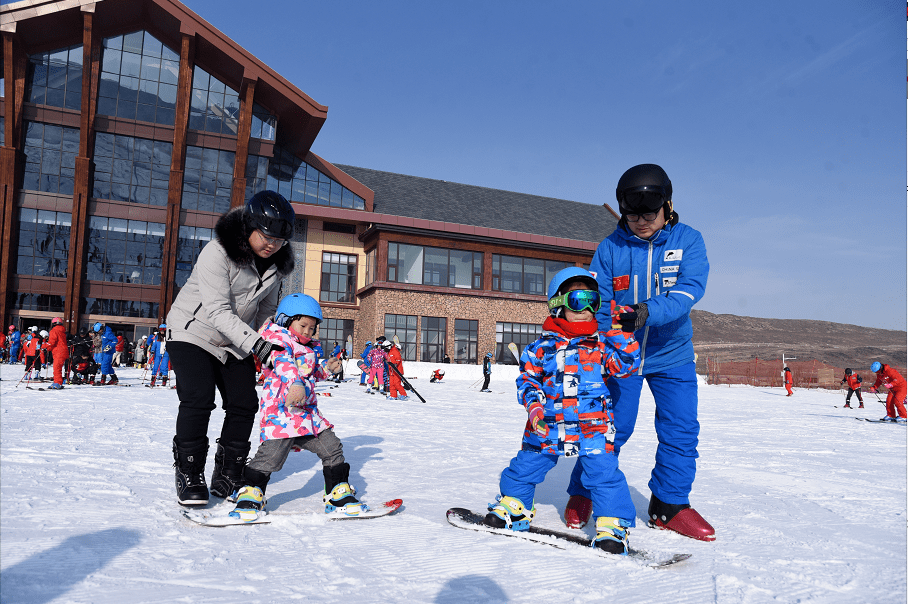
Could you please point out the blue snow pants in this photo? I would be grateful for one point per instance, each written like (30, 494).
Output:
(14, 353)
(599, 475)
(161, 364)
(677, 428)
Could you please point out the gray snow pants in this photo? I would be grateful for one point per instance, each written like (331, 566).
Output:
(272, 454)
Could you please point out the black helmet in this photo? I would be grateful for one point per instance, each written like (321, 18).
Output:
(847, 371)
(270, 213)
(643, 188)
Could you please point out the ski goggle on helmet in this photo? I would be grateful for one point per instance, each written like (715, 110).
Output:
(578, 300)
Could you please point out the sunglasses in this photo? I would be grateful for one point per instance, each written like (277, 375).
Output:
(578, 300)
(648, 217)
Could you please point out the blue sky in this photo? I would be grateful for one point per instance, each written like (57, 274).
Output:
(781, 124)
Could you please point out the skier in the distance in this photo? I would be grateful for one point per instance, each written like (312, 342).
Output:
(437, 376)
(486, 372)
(15, 339)
(158, 357)
(290, 418)
(895, 400)
(364, 364)
(658, 266)
(56, 343)
(376, 362)
(396, 391)
(786, 376)
(853, 381)
(562, 384)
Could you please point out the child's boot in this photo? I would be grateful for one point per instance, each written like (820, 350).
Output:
(339, 498)
(578, 511)
(509, 512)
(153, 378)
(250, 499)
(611, 535)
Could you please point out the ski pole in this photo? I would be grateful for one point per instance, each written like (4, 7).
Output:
(22, 378)
(143, 374)
(476, 383)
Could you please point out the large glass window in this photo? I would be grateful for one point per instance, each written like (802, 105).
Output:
(118, 308)
(50, 158)
(370, 267)
(43, 242)
(520, 334)
(55, 78)
(215, 107)
(139, 77)
(466, 341)
(332, 331)
(208, 180)
(434, 266)
(189, 246)
(263, 123)
(523, 275)
(338, 278)
(404, 327)
(297, 181)
(434, 337)
(124, 251)
(131, 169)
(44, 302)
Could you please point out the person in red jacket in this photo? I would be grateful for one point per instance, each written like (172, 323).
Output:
(788, 381)
(854, 387)
(31, 347)
(892, 379)
(59, 349)
(395, 359)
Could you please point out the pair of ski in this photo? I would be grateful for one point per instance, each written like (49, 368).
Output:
(879, 421)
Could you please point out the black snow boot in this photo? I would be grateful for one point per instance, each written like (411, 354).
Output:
(338, 492)
(189, 461)
(229, 461)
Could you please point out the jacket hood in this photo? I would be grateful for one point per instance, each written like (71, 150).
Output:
(232, 231)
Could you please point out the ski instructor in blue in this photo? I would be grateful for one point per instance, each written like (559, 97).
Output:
(658, 267)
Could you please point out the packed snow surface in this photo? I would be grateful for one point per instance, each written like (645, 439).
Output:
(808, 504)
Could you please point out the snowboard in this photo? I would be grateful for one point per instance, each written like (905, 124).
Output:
(465, 519)
(879, 421)
(206, 518)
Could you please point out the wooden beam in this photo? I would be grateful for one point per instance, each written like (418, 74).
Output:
(238, 193)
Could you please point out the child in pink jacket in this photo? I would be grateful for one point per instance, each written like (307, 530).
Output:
(290, 418)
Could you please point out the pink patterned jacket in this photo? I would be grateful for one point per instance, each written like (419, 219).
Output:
(295, 365)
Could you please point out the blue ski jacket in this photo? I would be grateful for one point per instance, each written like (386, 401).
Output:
(669, 273)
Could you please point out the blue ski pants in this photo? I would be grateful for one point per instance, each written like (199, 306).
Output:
(598, 474)
(677, 428)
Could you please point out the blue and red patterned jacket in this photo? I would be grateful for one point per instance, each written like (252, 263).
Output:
(567, 377)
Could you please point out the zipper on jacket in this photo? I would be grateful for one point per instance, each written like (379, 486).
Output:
(649, 271)
(188, 323)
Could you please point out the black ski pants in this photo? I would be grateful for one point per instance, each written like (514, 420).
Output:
(853, 391)
(198, 374)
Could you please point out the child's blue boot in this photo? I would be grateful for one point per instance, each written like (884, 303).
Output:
(509, 512)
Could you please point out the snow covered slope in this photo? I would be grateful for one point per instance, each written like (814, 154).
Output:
(809, 505)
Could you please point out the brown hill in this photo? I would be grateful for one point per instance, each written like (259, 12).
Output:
(734, 338)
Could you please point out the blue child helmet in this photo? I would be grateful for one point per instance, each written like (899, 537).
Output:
(563, 276)
(295, 305)
(488, 355)
(162, 326)
(876, 366)
(97, 327)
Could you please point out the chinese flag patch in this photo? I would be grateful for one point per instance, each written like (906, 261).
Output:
(621, 283)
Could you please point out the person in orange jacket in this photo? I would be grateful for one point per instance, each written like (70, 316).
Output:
(854, 387)
(59, 350)
(788, 381)
(395, 359)
(31, 348)
(893, 380)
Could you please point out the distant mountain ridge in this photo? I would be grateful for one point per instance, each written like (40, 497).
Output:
(735, 338)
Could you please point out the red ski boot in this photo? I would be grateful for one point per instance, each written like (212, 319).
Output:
(680, 518)
(578, 511)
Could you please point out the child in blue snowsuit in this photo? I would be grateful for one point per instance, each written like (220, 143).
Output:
(364, 365)
(562, 385)
(15, 341)
(108, 344)
(161, 359)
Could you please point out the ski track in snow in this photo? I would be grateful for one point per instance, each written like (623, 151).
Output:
(809, 505)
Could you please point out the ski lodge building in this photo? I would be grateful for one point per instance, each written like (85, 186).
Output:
(127, 127)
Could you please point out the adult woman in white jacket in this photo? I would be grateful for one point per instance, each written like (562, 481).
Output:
(212, 336)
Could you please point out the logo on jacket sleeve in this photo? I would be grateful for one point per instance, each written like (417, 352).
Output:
(673, 255)
(669, 281)
(621, 283)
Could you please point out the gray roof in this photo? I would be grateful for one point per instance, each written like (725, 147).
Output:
(429, 199)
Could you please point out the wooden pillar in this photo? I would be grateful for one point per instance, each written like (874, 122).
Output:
(78, 247)
(14, 62)
(238, 193)
(177, 167)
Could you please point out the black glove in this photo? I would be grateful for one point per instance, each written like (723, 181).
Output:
(263, 349)
(632, 321)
